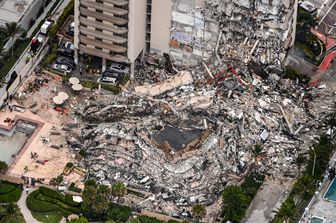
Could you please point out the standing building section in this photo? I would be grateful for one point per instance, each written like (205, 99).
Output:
(122, 30)
(113, 30)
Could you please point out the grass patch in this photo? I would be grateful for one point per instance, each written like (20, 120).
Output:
(95, 85)
(47, 217)
(9, 192)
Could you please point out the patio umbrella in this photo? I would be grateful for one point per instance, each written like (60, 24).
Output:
(57, 100)
(74, 80)
(77, 87)
(64, 96)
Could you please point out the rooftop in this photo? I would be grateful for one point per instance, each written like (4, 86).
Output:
(13, 10)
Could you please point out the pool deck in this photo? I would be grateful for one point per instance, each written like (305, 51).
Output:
(54, 159)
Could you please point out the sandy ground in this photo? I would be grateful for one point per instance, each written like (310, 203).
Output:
(50, 162)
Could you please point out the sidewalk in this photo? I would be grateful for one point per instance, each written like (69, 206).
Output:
(24, 209)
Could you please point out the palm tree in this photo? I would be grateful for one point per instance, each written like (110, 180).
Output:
(286, 213)
(12, 29)
(118, 189)
(3, 166)
(198, 211)
(257, 152)
(300, 160)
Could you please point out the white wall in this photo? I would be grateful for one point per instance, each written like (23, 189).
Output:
(136, 28)
(161, 24)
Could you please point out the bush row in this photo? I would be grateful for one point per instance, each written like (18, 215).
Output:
(47, 200)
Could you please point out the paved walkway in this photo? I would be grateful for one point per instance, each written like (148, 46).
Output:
(24, 209)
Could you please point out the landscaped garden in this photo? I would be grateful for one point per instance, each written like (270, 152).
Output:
(9, 192)
(48, 205)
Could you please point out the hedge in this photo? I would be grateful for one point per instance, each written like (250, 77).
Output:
(47, 200)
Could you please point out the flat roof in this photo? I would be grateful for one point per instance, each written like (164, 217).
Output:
(13, 10)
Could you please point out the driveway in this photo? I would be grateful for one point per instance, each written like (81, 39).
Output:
(23, 207)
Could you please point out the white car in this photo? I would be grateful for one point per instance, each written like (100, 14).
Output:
(69, 45)
(109, 80)
(63, 68)
(118, 67)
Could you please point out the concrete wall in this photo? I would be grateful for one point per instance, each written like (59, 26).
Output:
(136, 28)
(160, 25)
(31, 13)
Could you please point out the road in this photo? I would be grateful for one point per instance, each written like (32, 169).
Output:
(328, 19)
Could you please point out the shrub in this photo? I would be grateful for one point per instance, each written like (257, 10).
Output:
(9, 192)
(119, 213)
(68, 10)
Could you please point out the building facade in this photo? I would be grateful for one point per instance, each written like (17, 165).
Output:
(188, 30)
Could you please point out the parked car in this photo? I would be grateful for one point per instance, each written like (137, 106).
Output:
(109, 80)
(117, 67)
(69, 45)
(66, 52)
(66, 61)
(71, 31)
(109, 73)
(63, 68)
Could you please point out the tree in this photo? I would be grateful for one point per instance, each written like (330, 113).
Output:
(257, 152)
(287, 212)
(12, 29)
(198, 211)
(79, 220)
(300, 160)
(3, 166)
(12, 208)
(235, 203)
(95, 200)
(118, 190)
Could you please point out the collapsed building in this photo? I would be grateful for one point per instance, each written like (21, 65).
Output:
(183, 137)
(255, 31)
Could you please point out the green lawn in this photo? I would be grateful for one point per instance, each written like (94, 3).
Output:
(18, 218)
(47, 217)
(9, 192)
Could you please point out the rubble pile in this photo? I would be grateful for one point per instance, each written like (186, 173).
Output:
(184, 141)
(258, 31)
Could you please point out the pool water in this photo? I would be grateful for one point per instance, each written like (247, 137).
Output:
(316, 220)
(331, 193)
(11, 144)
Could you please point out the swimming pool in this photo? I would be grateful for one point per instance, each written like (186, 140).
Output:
(316, 220)
(11, 143)
(330, 195)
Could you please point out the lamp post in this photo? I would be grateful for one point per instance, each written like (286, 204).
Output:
(313, 170)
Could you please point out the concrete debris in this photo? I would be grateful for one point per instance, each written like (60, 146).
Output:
(181, 138)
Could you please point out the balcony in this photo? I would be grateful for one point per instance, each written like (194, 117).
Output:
(104, 45)
(117, 2)
(101, 16)
(105, 8)
(101, 35)
(95, 52)
(103, 26)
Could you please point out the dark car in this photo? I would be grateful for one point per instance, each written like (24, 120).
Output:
(65, 52)
(71, 31)
(66, 61)
(111, 74)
